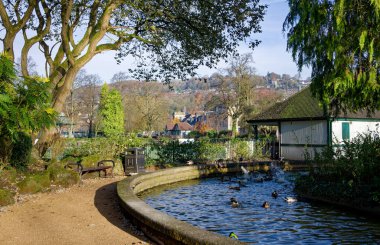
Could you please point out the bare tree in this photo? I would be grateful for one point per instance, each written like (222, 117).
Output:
(235, 88)
(146, 108)
(119, 77)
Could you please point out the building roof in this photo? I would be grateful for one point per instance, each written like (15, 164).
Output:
(302, 106)
(181, 126)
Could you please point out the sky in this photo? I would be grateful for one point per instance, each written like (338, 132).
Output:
(269, 56)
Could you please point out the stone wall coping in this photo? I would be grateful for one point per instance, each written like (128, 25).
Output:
(157, 225)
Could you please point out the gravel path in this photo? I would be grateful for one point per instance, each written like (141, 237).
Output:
(86, 214)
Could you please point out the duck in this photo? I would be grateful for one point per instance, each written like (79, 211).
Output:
(234, 202)
(274, 194)
(265, 204)
(233, 235)
(236, 188)
(290, 199)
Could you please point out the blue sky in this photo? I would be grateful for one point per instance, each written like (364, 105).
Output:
(269, 56)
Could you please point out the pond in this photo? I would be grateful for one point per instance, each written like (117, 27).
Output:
(205, 203)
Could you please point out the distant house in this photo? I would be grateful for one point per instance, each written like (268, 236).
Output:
(303, 125)
(178, 130)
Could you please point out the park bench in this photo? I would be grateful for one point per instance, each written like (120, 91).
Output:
(101, 167)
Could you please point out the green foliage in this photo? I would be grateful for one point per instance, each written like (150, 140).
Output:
(171, 151)
(240, 149)
(34, 183)
(349, 171)
(105, 147)
(339, 41)
(21, 151)
(210, 152)
(61, 176)
(6, 197)
(24, 109)
(111, 112)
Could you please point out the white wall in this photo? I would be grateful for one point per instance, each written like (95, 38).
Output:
(356, 127)
(304, 132)
(298, 134)
(298, 152)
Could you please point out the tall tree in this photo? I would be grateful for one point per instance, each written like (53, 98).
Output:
(176, 35)
(111, 112)
(339, 40)
(89, 99)
(235, 88)
(146, 107)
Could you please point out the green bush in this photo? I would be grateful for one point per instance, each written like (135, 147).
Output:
(21, 151)
(34, 183)
(106, 147)
(208, 151)
(240, 149)
(6, 197)
(349, 171)
(62, 177)
(92, 160)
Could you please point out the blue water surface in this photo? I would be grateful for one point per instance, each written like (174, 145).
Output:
(205, 203)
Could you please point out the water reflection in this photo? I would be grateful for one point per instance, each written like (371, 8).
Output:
(206, 203)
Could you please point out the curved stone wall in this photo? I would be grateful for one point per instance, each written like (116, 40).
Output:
(158, 226)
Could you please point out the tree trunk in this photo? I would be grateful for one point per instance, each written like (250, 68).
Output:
(90, 129)
(8, 44)
(60, 94)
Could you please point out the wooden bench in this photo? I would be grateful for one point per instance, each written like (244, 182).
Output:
(100, 167)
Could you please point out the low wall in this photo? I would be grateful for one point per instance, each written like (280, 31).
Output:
(159, 226)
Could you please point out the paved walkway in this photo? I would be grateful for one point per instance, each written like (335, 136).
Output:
(86, 214)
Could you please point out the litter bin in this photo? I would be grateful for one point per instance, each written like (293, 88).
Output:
(134, 161)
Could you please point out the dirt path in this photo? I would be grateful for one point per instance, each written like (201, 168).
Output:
(86, 214)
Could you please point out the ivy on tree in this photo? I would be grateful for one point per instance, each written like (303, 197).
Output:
(111, 112)
(340, 41)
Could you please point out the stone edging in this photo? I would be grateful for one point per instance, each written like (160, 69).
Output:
(158, 226)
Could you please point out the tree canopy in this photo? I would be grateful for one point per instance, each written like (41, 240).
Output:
(175, 36)
(340, 41)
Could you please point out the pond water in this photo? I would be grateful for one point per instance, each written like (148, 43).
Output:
(205, 203)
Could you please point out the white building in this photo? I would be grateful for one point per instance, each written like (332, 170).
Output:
(304, 126)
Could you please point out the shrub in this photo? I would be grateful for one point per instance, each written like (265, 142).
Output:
(240, 149)
(349, 171)
(34, 183)
(61, 176)
(211, 151)
(21, 151)
(106, 147)
(6, 197)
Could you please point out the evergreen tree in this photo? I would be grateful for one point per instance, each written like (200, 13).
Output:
(111, 112)
(339, 40)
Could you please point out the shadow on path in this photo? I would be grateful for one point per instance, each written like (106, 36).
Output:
(106, 202)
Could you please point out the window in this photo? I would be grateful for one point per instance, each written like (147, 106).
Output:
(346, 131)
